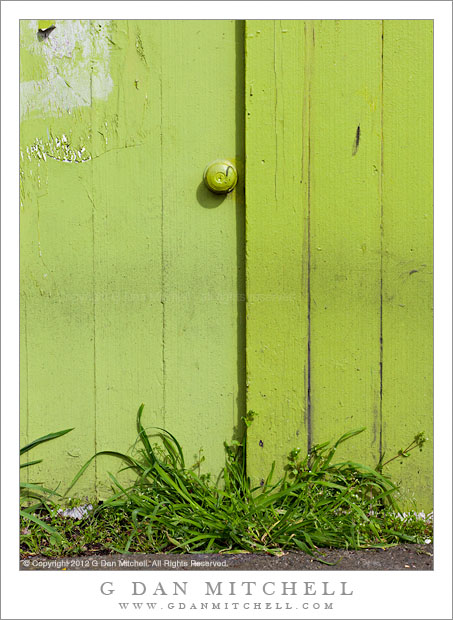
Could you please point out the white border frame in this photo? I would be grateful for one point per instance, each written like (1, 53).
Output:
(377, 594)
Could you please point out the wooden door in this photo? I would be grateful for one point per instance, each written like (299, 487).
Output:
(132, 272)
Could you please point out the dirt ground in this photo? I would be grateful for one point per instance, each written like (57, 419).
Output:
(402, 557)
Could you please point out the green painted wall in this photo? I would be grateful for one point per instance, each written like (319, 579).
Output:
(133, 274)
(339, 240)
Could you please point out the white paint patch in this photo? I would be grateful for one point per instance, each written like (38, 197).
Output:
(79, 512)
(58, 148)
(76, 59)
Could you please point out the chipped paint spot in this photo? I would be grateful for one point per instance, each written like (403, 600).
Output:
(76, 59)
(58, 148)
(139, 48)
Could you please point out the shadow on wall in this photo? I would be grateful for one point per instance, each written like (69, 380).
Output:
(207, 199)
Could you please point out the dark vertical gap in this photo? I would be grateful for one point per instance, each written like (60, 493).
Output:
(381, 340)
(241, 404)
(309, 404)
(275, 115)
(309, 410)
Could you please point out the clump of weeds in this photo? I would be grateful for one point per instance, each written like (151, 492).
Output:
(172, 508)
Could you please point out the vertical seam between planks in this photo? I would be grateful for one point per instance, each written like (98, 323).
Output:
(381, 332)
(94, 348)
(246, 361)
(240, 93)
(162, 256)
(246, 239)
(27, 401)
(275, 115)
(93, 237)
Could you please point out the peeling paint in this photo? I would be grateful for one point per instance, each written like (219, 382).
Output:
(139, 48)
(76, 59)
(58, 148)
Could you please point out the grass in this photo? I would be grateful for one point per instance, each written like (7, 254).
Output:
(33, 496)
(172, 508)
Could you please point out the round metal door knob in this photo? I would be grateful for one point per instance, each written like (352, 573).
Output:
(220, 176)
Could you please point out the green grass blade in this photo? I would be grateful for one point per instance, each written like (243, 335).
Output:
(41, 440)
(144, 437)
(129, 460)
(36, 487)
(30, 463)
(45, 526)
(173, 438)
(348, 435)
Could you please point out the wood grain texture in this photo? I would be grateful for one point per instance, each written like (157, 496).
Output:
(344, 204)
(407, 284)
(127, 249)
(276, 241)
(203, 236)
(131, 272)
(56, 267)
(339, 207)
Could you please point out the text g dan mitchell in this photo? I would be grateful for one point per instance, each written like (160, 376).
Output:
(230, 588)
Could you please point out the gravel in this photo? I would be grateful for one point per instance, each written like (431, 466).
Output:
(402, 558)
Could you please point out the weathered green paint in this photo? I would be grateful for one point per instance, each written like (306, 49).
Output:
(407, 283)
(339, 234)
(276, 240)
(345, 164)
(130, 268)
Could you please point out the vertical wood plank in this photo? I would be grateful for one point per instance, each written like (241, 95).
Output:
(407, 250)
(202, 236)
(126, 209)
(344, 204)
(276, 240)
(56, 257)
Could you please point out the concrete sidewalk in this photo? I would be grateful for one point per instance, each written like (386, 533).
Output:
(402, 557)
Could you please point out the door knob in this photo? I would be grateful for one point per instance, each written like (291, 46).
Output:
(220, 176)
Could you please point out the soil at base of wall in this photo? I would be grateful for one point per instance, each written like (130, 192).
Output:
(402, 557)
